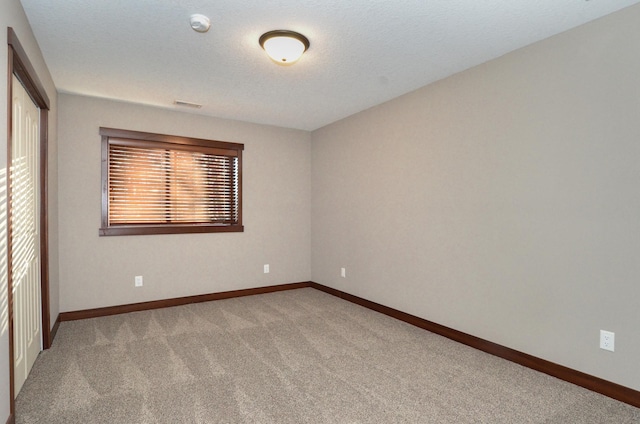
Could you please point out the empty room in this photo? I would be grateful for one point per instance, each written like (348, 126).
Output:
(320, 212)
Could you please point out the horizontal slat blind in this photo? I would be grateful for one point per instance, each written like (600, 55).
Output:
(171, 186)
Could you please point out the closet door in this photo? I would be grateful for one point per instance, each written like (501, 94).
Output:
(25, 239)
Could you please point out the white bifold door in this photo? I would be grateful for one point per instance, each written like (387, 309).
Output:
(25, 241)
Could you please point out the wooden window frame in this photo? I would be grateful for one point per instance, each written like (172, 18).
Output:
(151, 140)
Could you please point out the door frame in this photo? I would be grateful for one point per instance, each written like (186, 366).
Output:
(20, 66)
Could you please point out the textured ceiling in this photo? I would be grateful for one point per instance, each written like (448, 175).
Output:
(363, 52)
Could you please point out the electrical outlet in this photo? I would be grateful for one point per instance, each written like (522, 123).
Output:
(266, 268)
(343, 272)
(607, 340)
(138, 281)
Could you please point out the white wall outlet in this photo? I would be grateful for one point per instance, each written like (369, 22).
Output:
(343, 272)
(138, 280)
(266, 268)
(607, 340)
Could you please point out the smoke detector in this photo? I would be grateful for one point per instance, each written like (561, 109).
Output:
(200, 23)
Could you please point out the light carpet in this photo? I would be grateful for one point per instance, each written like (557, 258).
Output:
(299, 356)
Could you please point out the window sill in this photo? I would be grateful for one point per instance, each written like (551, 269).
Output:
(139, 230)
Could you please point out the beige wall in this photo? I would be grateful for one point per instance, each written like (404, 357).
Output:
(503, 201)
(99, 271)
(12, 15)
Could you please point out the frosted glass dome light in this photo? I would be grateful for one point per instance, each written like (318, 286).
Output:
(284, 47)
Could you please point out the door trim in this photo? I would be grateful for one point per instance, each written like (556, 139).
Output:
(19, 65)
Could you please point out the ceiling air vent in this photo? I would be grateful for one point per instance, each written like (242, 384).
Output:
(187, 104)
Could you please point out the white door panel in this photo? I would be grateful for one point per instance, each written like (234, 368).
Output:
(25, 257)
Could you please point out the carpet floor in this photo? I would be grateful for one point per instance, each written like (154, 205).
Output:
(299, 356)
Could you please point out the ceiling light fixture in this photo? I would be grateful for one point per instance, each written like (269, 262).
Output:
(284, 47)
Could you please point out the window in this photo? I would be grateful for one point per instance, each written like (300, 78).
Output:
(161, 184)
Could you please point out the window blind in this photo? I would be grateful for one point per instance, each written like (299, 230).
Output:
(149, 185)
